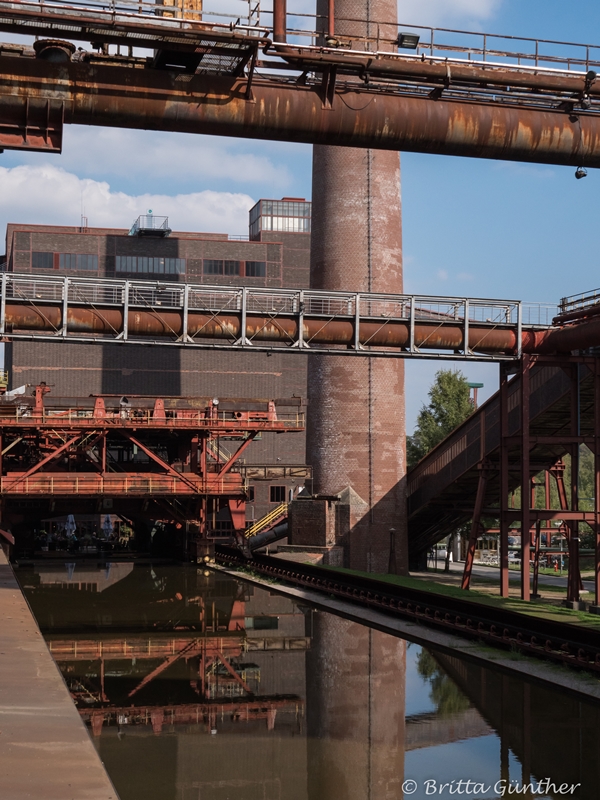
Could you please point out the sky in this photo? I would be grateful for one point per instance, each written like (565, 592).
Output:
(472, 227)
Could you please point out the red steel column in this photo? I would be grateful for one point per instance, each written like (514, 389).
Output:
(525, 478)
(504, 483)
(356, 425)
(279, 20)
(597, 482)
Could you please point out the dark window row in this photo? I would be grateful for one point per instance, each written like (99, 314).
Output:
(72, 261)
(146, 265)
(83, 261)
(278, 494)
(249, 269)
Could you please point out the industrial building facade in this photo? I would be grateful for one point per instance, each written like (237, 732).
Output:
(276, 254)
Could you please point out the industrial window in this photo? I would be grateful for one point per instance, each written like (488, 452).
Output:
(261, 623)
(278, 494)
(212, 267)
(87, 261)
(231, 268)
(280, 215)
(250, 494)
(42, 260)
(146, 265)
(256, 269)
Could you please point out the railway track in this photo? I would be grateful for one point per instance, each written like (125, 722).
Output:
(554, 641)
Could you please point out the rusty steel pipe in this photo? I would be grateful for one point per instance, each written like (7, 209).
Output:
(573, 316)
(151, 99)
(437, 72)
(284, 329)
(582, 336)
(280, 20)
(331, 18)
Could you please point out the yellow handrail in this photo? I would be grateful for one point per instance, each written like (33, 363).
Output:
(262, 523)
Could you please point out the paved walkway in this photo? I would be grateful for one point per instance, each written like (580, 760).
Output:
(491, 572)
(45, 750)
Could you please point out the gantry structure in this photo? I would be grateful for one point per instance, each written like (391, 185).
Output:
(145, 459)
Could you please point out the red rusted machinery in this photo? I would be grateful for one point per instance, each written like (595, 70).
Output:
(146, 459)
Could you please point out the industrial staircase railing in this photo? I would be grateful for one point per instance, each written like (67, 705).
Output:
(268, 521)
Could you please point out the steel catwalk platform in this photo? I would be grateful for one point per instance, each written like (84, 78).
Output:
(204, 316)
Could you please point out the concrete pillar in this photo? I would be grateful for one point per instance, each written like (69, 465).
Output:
(356, 423)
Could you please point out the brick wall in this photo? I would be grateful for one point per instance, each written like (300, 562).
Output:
(80, 370)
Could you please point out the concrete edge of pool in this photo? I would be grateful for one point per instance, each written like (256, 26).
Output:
(523, 666)
(45, 749)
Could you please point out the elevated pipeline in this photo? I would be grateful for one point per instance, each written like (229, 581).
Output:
(283, 329)
(437, 71)
(133, 96)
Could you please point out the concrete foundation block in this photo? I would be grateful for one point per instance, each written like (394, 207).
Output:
(575, 605)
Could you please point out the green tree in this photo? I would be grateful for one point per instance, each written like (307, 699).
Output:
(449, 405)
(444, 693)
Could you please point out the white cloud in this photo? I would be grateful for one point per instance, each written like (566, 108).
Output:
(442, 274)
(161, 155)
(49, 195)
(444, 12)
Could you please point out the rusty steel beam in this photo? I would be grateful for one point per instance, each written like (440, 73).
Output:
(143, 98)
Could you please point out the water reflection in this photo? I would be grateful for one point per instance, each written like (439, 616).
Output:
(196, 686)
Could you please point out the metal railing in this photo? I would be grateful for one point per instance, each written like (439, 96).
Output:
(243, 15)
(268, 519)
(452, 45)
(83, 310)
(139, 485)
(249, 18)
(579, 301)
(19, 414)
(150, 222)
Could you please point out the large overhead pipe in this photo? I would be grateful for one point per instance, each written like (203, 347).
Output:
(279, 20)
(144, 98)
(282, 329)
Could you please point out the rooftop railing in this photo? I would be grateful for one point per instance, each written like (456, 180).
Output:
(150, 224)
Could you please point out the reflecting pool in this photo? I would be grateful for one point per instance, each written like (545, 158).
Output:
(196, 686)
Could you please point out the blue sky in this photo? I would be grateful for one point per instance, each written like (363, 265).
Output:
(471, 227)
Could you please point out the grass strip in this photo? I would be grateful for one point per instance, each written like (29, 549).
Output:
(533, 608)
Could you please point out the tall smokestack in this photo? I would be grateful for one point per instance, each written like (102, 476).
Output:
(356, 425)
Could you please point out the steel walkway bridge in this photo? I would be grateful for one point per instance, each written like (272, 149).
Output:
(104, 310)
(206, 316)
(289, 76)
(548, 410)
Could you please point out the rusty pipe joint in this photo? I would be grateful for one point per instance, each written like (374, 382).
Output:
(55, 51)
